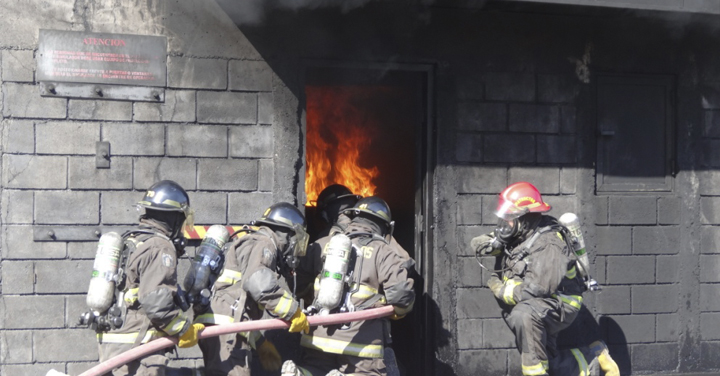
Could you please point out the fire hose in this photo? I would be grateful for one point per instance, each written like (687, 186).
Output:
(217, 330)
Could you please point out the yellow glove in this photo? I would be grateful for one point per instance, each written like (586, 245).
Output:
(395, 316)
(270, 359)
(299, 322)
(190, 337)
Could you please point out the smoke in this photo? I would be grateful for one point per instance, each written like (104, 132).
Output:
(252, 12)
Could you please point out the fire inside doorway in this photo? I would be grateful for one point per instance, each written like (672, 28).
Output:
(365, 130)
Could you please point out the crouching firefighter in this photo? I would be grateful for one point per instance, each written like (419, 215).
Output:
(538, 285)
(254, 278)
(360, 270)
(133, 295)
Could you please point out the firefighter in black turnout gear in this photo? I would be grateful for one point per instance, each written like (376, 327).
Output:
(331, 203)
(254, 279)
(148, 296)
(537, 284)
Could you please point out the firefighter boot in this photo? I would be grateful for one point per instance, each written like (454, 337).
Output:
(290, 369)
(607, 364)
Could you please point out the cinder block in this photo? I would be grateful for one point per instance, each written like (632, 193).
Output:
(488, 206)
(710, 326)
(557, 88)
(630, 269)
(598, 269)
(710, 239)
(668, 269)
(669, 210)
(614, 300)
(654, 357)
(246, 207)
(77, 368)
(534, 118)
(266, 113)
(469, 210)
(266, 175)
(179, 106)
(118, 208)
(75, 305)
(568, 180)
(507, 148)
(469, 334)
(82, 250)
(470, 87)
(476, 303)
(469, 272)
(631, 329)
(497, 335)
(99, 110)
(708, 355)
(246, 75)
(67, 207)
(18, 136)
(601, 206)
(52, 276)
(556, 149)
(34, 312)
(709, 268)
(17, 66)
(709, 182)
(17, 207)
(33, 171)
(18, 243)
(568, 124)
(627, 210)
(228, 174)
(711, 125)
(53, 345)
(226, 108)
(545, 179)
(491, 362)
(480, 179)
(656, 240)
(668, 328)
(210, 207)
(195, 73)
(708, 297)
(197, 141)
(24, 101)
(562, 204)
(469, 147)
(149, 171)
(18, 277)
(510, 86)
(134, 139)
(252, 142)
(655, 299)
(480, 116)
(82, 174)
(465, 235)
(710, 210)
(15, 346)
(29, 369)
(67, 137)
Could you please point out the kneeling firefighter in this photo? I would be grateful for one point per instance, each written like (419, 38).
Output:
(537, 283)
(147, 303)
(361, 269)
(253, 279)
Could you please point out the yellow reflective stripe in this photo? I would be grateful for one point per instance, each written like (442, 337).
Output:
(508, 291)
(573, 300)
(282, 309)
(364, 292)
(213, 318)
(128, 337)
(572, 273)
(537, 369)
(582, 363)
(131, 296)
(545, 365)
(230, 277)
(176, 325)
(335, 346)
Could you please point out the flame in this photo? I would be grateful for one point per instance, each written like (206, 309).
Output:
(337, 134)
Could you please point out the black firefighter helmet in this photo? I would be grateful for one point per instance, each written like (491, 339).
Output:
(287, 216)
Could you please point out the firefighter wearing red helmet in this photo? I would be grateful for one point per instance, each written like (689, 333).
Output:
(537, 285)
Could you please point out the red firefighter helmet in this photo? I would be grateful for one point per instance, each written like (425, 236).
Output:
(519, 199)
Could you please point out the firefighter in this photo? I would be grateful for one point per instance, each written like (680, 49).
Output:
(150, 299)
(537, 284)
(379, 276)
(331, 203)
(254, 278)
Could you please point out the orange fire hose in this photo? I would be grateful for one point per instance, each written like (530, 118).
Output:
(216, 330)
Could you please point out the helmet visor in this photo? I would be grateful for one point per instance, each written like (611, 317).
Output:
(507, 210)
(301, 241)
(188, 225)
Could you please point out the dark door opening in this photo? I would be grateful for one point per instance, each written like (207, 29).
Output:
(377, 119)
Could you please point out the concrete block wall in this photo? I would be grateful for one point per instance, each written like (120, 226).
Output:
(214, 134)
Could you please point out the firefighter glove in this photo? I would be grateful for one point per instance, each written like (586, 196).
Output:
(483, 245)
(299, 322)
(190, 337)
(270, 359)
(495, 285)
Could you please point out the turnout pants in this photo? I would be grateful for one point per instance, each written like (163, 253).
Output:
(226, 355)
(318, 363)
(151, 365)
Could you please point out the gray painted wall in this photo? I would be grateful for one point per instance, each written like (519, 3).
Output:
(496, 74)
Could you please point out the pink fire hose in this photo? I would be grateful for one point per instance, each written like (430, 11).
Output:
(216, 330)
